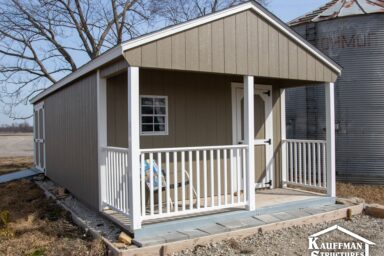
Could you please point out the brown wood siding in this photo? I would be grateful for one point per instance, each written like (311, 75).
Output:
(243, 44)
(71, 139)
(199, 108)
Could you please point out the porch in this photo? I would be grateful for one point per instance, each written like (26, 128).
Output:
(248, 175)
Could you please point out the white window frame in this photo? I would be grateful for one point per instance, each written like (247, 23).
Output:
(154, 133)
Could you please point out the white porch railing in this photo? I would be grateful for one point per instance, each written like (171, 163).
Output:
(194, 180)
(306, 163)
(116, 179)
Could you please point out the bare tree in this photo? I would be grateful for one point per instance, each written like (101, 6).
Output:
(43, 40)
(177, 11)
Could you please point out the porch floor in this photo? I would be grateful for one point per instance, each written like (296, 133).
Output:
(271, 205)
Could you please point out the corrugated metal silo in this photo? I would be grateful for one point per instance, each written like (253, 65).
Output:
(352, 33)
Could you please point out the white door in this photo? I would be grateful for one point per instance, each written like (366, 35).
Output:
(263, 130)
(39, 136)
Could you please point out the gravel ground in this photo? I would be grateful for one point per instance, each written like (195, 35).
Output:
(294, 241)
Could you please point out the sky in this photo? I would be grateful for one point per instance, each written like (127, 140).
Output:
(286, 10)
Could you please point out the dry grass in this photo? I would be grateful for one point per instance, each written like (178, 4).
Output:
(370, 193)
(12, 164)
(38, 226)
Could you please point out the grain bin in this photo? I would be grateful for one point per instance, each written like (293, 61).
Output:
(352, 33)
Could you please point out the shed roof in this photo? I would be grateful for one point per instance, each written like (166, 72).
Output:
(119, 50)
(340, 8)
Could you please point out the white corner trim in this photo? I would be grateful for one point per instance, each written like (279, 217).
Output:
(90, 66)
(224, 13)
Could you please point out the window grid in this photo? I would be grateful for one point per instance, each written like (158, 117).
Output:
(151, 109)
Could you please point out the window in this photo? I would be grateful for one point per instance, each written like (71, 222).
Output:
(154, 115)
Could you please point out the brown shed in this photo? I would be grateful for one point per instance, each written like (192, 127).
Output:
(186, 120)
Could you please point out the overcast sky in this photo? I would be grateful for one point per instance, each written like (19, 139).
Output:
(284, 9)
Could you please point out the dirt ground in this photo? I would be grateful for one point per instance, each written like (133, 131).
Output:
(370, 193)
(16, 145)
(31, 224)
(12, 164)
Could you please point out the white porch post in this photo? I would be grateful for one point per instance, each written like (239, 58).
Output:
(134, 147)
(283, 140)
(330, 128)
(249, 136)
(102, 135)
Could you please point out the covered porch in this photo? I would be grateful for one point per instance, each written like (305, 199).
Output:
(203, 163)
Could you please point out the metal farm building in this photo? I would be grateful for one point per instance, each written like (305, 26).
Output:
(352, 33)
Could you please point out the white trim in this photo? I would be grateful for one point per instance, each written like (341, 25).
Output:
(39, 138)
(154, 133)
(134, 148)
(283, 130)
(249, 137)
(101, 135)
(83, 70)
(227, 12)
(330, 129)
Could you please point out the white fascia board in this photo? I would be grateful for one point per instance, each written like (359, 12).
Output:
(231, 11)
(83, 70)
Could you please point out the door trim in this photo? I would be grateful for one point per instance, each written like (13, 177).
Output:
(39, 138)
(268, 122)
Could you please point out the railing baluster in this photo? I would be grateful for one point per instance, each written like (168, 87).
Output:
(318, 165)
(305, 162)
(300, 164)
(167, 179)
(183, 179)
(198, 178)
(175, 189)
(218, 177)
(151, 192)
(225, 177)
(291, 162)
(159, 184)
(243, 156)
(190, 162)
(205, 179)
(212, 179)
(310, 164)
(238, 174)
(314, 163)
(232, 175)
(295, 157)
(324, 167)
(142, 172)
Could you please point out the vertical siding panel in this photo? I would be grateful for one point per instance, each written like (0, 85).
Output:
(149, 55)
(241, 43)
(218, 46)
(293, 62)
(283, 56)
(263, 48)
(319, 71)
(253, 46)
(134, 56)
(327, 75)
(178, 51)
(302, 64)
(273, 52)
(311, 68)
(205, 48)
(71, 139)
(164, 53)
(192, 49)
(230, 44)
